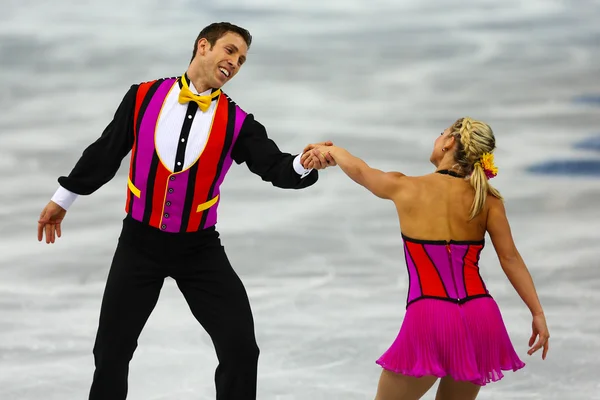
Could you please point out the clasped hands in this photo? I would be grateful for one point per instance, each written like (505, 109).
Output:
(317, 156)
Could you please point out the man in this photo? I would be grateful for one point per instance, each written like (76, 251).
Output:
(183, 134)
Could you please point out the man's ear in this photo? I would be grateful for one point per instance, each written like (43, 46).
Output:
(203, 46)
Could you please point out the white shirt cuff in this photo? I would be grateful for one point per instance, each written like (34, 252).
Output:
(64, 197)
(300, 170)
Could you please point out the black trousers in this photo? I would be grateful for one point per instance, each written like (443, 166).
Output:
(197, 262)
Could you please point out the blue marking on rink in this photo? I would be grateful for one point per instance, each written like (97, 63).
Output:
(592, 144)
(568, 167)
(577, 166)
(588, 99)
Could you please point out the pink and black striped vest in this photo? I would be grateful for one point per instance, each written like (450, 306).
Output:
(185, 201)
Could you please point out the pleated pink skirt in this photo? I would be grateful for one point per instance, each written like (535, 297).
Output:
(467, 342)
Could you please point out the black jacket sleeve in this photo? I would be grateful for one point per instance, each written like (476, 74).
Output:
(263, 157)
(101, 160)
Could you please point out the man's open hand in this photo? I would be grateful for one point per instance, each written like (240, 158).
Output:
(49, 222)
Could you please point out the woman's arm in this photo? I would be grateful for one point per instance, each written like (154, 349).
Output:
(510, 260)
(382, 184)
(517, 273)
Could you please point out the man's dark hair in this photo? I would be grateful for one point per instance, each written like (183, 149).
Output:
(217, 30)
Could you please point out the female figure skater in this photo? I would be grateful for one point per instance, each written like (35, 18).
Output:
(452, 328)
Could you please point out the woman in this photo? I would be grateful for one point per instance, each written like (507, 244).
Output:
(452, 328)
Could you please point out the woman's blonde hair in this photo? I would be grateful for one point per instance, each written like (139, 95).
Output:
(475, 138)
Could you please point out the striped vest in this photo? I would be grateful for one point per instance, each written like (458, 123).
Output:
(184, 201)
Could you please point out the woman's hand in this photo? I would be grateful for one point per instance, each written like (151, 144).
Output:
(539, 331)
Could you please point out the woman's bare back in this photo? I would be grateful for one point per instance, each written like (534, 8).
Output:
(437, 207)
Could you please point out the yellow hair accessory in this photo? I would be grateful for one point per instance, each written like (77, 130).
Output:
(486, 162)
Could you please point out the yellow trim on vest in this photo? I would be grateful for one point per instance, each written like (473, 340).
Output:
(208, 204)
(136, 192)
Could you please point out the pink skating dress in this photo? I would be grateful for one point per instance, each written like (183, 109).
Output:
(452, 325)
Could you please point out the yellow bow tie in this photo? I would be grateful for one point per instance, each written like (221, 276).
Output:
(186, 95)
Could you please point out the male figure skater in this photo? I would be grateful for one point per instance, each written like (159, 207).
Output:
(183, 134)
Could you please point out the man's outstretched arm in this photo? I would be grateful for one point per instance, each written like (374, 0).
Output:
(101, 160)
(265, 159)
(97, 165)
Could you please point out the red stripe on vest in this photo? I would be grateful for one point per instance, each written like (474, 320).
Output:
(158, 196)
(139, 98)
(209, 162)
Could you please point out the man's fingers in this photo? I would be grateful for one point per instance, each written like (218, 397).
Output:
(40, 231)
(44, 216)
(306, 163)
(48, 228)
(44, 219)
(319, 158)
(304, 156)
(49, 223)
(314, 163)
(310, 162)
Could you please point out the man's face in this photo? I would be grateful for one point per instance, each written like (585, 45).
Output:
(221, 62)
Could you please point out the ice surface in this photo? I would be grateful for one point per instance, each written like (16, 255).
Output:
(323, 267)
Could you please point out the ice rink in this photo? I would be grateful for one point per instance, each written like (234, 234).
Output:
(323, 267)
